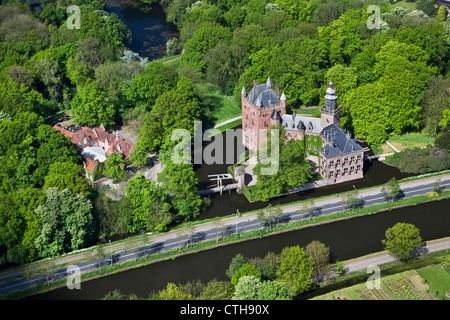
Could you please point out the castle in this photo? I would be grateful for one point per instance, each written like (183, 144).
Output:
(340, 157)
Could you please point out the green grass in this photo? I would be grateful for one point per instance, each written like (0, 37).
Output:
(405, 5)
(411, 140)
(222, 107)
(164, 59)
(227, 126)
(438, 277)
(308, 111)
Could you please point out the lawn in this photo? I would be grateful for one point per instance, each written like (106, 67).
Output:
(405, 5)
(308, 111)
(437, 277)
(407, 285)
(222, 107)
(381, 149)
(411, 140)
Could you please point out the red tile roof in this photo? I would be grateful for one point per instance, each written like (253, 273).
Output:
(90, 137)
(89, 164)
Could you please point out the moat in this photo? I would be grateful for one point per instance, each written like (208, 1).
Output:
(347, 239)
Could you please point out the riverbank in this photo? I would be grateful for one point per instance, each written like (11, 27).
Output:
(345, 287)
(246, 236)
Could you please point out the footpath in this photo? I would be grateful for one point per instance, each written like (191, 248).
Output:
(382, 258)
(227, 222)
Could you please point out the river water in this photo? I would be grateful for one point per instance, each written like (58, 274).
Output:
(347, 239)
(147, 23)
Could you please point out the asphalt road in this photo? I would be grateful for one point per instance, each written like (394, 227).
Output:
(172, 240)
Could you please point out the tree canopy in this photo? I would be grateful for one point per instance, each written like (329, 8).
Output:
(402, 240)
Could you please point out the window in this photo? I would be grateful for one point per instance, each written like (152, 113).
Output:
(309, 147)
(309, 137)
(358, 167)
(345, 161)
(338, 162)
(358, 158)
(345, 171)
(352, 159)
(351, 169)
(315, 147)
(315, 138)
(331, 163)
(331, 174)
(338, 172)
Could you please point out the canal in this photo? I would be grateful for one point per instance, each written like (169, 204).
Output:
(347, 239)
(375, 173)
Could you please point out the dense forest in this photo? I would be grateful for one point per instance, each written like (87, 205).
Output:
(391, 79)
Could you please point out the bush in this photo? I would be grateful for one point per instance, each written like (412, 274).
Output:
(173, 47)
(443, 141)
(423, 160)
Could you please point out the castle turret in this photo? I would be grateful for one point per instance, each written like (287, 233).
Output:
(283, 102)
(269, 83)
(330, 112)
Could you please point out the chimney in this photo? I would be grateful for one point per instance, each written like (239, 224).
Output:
(277, 91)
(293, 115)
(117, 136)
(255, 83)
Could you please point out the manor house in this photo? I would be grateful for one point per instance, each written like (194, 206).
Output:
(340, 157)
(95, 144)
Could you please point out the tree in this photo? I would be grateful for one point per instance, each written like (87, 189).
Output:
(91, 107)
(247, 288)
(238, 261)
(437, 186)
(99, 254)
(321, 255)
(173, 292)
(296, 269)
(205, 37)
(19, 224)
(340, 268)
(443, 140)
(435, 102)
(402, 240)
(299, 10)
(350, 200)
(146, 87)
(217, 290)
(442, 13)
(15, 97)
(391, 190)
(308, 207)
(245, 270)
(402, 71)
(46, 147)
(66, 223)
(273, 290)
(114, 166)
(293, 170)
(150, 211)
(173, 47)
(179, 184)
(174, 109)
(67, 175)
(269, 215)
